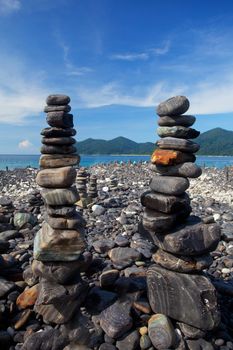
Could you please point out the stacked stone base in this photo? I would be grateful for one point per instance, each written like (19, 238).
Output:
(59, 245)
(177, 285)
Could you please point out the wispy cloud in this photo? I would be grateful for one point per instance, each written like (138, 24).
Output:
(71, 69)
(113, 93)
(9, 6)
(22, 93)
(142, 56)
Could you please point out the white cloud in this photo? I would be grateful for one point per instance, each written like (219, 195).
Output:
(22, 92)
(25, 144)
(9, 6)
(131, 56)
(159, 51)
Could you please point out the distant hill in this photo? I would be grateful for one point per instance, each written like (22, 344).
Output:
(119, 145)
(214, 142)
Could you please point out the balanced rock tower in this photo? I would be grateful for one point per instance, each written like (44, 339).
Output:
(59, 245)
(177, 285)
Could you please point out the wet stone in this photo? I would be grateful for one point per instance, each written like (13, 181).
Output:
(182, 264)
(180, 120)
(177, 131)
(170, 157)
(185, 169)
(174, 143)
(165, 203)
(57, 132)
(189, 290)
(173, 106)
(169, 185)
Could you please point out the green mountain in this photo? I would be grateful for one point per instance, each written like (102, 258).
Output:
(119, 145)
(213, 142)
(216, 142)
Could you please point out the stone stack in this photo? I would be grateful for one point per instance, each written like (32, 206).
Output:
(177, 285)
(82, 183)
(113, 183)
(92, 187)
(59, 245)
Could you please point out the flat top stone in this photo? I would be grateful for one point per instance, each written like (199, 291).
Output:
(57, 99)
(173, 106)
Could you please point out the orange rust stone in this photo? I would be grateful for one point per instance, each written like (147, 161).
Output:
(164, 157)
(28, 297)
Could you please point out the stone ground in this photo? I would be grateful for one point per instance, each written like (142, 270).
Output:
(116, 245)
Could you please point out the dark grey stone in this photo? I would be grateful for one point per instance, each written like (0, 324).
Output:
(169, 185)
(165, 203)
(184, 297)
(185, 169)
(173, 106)
(174, 143)
(55, 149)
(58, 132)
(182, 120)
(57, 99)
(60, 119)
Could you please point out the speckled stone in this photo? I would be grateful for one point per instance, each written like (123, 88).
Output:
(57, 99)
(177, 131)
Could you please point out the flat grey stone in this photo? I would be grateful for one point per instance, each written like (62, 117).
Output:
(58, 149)
(58, 141)
(169, 185)
(185, 169)
(58, 132)
(165, 203)
(181, 120)
(191, 238)
(178, 144)
(184, 297)
(54, 108)
(173, 106)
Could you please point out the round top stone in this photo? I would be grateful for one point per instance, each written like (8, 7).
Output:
(173, 106)
(57, 100)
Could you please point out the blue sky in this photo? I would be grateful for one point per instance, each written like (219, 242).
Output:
(116, 59)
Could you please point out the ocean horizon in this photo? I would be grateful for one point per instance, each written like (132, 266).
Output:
(16, 161)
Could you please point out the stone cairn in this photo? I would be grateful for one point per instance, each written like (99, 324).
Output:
(92, 187)
(177, 285)
(59, 244)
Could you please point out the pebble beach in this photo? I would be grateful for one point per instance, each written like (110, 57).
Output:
(112, 220)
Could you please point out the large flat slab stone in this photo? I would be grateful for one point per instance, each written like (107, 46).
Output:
(184, 297)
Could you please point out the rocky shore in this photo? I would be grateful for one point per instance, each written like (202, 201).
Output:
(115, 263)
